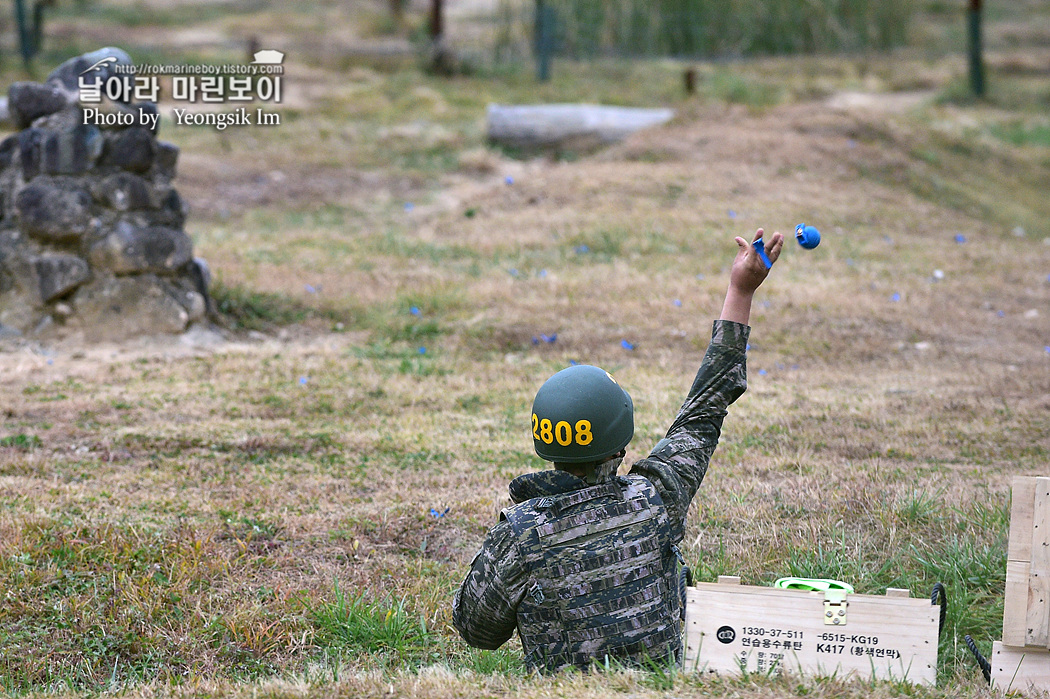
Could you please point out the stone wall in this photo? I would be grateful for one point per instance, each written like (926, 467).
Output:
(91, 230)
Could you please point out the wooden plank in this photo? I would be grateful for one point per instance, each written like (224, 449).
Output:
(898, 592)
(766, 630)
(1020, 669)
(728, 579)
(1015, 606)
(1021, 508)
(1038, 624)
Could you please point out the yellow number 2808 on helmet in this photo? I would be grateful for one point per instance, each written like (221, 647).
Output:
(581, 415)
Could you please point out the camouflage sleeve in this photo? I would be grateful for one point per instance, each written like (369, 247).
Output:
(485, 608)
(678, 463)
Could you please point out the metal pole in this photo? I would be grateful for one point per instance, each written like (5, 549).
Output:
(544, 40)
(25, 36)
(976, 58)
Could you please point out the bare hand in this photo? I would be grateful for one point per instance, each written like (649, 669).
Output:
(749, 271)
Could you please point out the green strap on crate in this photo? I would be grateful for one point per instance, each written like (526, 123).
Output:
(813, 584)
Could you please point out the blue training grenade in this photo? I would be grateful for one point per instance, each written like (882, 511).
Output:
(807, 236)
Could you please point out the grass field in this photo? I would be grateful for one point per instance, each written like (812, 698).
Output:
(288, 513)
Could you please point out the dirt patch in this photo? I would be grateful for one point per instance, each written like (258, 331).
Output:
(890, 103)
(218, 188)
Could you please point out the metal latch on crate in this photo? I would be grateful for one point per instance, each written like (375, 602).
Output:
(835, 592)
(835, 605)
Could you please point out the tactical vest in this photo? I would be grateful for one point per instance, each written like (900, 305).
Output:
(602, 577)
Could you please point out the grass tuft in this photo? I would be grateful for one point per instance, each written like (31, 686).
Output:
(245, 309)
(382, 630)
(23, 442)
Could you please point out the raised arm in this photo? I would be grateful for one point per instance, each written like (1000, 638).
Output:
(678, 463)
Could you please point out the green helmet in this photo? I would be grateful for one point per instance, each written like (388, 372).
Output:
(581, 414)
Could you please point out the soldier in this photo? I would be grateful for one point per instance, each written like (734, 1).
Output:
(585, 564)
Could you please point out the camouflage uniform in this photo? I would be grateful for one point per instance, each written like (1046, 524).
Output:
(505, 587)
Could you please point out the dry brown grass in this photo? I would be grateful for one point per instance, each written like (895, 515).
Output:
(260, 473)
(436, 682)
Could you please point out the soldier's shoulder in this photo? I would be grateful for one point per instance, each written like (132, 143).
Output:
(635, 481)
(525, 515)
(639, 485)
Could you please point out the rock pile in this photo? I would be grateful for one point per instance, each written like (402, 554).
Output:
(91, 230)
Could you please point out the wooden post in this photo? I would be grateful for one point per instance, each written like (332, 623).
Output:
(252, 46)
(690, 81)
(397, 11)
(1026, 609)
(437, 20)
(1020, 669)
(1022, 660)
(1038, 618)
(976, 58)
(442, 60)
(1019, 561)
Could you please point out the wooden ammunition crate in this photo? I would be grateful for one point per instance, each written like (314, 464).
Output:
(1022, 660)
(1020, 669)
(731, 627)
(1026, 613)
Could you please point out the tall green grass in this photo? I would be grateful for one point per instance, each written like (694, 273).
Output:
(358, 625)
(728, 27)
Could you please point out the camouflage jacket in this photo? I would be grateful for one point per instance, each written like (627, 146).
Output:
(485, 609)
